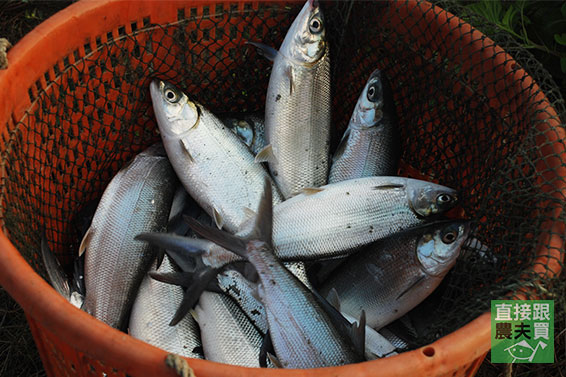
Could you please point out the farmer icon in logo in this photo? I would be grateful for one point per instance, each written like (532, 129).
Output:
(523, 350)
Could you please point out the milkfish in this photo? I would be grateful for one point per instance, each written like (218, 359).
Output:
(301, 331)
(371, 143)
(138, 199)
(392, 276)
(214, 165)
(336, 219)
(297, 105)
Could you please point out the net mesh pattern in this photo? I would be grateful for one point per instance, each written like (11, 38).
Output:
(466, 121)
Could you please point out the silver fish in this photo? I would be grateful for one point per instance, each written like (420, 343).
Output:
(154, 307)
(216, 168)
(391, 277)
(297, 107)
(227, 334)
(337, 219)
(371, 144)
(138, 199)
(249, 127)
(302, 333)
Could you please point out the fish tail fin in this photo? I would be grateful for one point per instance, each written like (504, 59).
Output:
(228, 241)
(57, 276)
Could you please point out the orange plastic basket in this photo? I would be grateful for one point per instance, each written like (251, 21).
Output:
(72, 343)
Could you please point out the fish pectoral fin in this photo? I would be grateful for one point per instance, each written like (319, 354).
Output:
(311, 190)
(413, 284)
(358, 334)
(218, 219)
(333, 299)
(86, 239)
(274, 360)
(392, 186)
(185, 145)
(289, 74)
(264, 50)
(249, 213)
(265, 155)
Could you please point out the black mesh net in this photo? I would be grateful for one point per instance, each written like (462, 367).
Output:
(467, 121)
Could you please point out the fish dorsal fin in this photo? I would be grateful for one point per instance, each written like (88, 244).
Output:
(185, 145)
(333, 298)
(264, 50)
(218, 220)
(311, 190)
(358, 334)
(265, 155)
(86, 239)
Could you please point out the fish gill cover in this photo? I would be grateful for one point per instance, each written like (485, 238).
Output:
(457, 128)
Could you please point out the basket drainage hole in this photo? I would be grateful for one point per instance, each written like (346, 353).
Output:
(428, 351)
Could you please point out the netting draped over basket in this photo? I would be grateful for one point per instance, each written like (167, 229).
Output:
(462, 123)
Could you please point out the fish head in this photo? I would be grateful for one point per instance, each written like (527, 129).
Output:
(305, 41)
(369, 109)
(438, 248)
(175, 112)
(428, 199)
(245, 131)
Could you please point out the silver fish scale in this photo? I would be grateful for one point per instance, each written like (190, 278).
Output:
(340, 218)
(222, 174)
(373, 279)
(137, 200)
(155, 306)
(297, 124)
(368, 152)
(301, 332)
(227, 334)
(241, 290)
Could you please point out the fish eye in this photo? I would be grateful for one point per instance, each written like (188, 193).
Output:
(171, 95)
(449, 237)
(372, 93)
(443, 199)
(315, 25)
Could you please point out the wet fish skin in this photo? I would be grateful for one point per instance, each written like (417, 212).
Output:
(371, 143)
(228, 336)
(297, 108)
(215, 167)
(250, 128)
(392, 276)
(137, 200)
(155, 305)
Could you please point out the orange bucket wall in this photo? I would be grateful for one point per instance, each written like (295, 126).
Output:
(72, 343)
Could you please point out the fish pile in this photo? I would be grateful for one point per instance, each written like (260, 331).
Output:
(240, 240)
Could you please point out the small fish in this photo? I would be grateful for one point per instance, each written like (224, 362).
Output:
(297, 105)
(392, 276)
(213, 164)
(302, 333)
(371, 144)
(250, 128)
